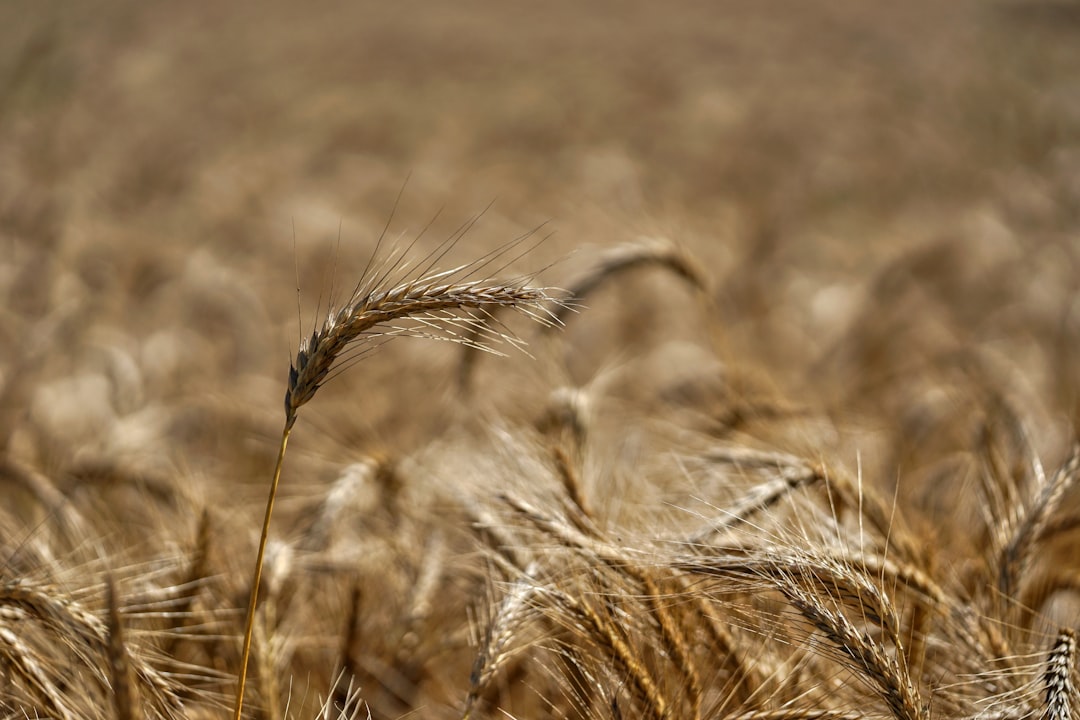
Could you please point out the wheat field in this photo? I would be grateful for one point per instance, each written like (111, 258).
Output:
(718, 360)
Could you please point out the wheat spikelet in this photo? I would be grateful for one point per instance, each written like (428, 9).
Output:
(658, 252)
(64, 617)
(980, 651)
(566, 417)
(581, 511)
(567, 534)
(821, 578)
(430, 299)
(267, 660)
(673, 637)
(894, 574)
(504, 552)
(744, 678)
(99, 658)
(790, 473)
(918, 632)
(320, 531)
(417, 611)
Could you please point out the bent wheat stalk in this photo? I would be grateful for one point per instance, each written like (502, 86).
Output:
(432, 305)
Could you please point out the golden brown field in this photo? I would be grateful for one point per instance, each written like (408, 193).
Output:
(794, 441)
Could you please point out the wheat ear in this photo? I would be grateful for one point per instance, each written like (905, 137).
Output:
(1021, 546)
(646, 252)
(432, 305)
(1058, 677)
(889, 675)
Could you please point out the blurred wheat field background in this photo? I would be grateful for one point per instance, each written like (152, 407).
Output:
(800, 448)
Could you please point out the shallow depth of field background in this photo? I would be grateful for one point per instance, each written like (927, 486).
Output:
(885, 198)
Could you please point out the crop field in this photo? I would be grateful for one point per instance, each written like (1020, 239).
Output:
(710, 360)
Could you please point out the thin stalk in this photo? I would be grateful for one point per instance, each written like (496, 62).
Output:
(249, 623)
(431, 301)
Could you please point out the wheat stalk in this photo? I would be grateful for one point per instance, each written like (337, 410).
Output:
(431, 305)
(125, 693)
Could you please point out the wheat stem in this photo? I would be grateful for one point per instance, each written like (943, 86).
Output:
(429, 302)
(249, 623)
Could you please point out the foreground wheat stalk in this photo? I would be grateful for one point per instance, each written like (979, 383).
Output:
(435, 304)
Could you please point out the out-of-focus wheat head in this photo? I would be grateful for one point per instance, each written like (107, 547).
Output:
(804, 598)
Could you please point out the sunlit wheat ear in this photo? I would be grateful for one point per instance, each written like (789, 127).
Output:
(431, 302)
(1059, 678)
(447, 305)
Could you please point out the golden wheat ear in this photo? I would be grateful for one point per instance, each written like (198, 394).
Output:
(1059, 678)
(393, 301)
